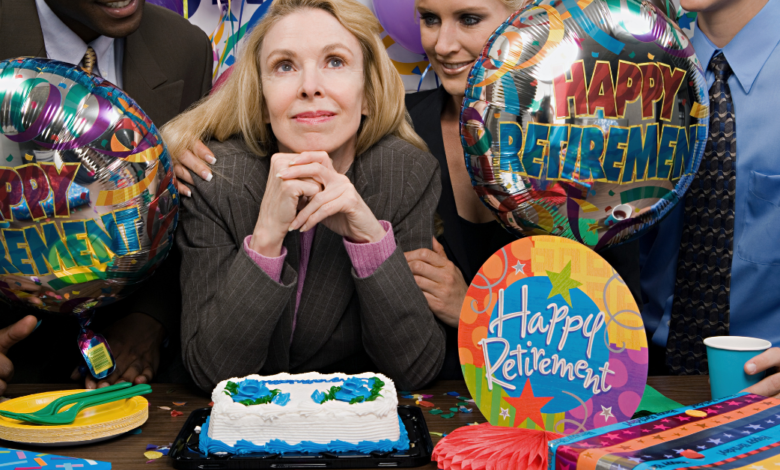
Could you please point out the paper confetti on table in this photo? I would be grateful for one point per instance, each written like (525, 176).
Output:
(175, 413)
(453, 394)
(166, 408)
(152, 454)
(436, 411)
(179, 403)
(425, 404)
(448, 415)
(12, 459)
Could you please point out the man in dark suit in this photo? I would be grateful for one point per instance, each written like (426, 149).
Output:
(165, 64)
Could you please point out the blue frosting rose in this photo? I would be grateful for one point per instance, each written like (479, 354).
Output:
(281, 399)
(353, 388)
(251, 389)
(317, 396)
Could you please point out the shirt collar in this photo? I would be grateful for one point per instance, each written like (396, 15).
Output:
(749, 50)
(66, 46)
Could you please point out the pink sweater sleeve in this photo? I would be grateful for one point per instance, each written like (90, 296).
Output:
(367, 257)
(271, 266)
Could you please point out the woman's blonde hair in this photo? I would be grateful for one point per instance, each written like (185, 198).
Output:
(515, 5)
(238, 106)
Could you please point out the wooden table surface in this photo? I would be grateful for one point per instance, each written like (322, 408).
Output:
(127, 451)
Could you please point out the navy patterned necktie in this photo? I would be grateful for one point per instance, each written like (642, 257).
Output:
(701, 294)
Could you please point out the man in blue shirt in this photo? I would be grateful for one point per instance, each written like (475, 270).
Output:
(744, 266)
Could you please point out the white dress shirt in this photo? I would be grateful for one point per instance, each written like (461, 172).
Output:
(64, 45)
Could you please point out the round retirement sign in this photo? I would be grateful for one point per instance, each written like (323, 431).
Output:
(551, 338)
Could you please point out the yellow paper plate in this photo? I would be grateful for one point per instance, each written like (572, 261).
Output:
(95, 423)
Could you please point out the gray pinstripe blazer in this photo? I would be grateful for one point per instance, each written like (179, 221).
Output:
(237, 321)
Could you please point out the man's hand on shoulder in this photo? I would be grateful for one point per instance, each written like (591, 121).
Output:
(135, 341)
(8, 337)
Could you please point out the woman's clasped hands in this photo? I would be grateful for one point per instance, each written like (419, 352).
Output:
(304, 190)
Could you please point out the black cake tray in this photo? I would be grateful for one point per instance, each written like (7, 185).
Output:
(186, 455)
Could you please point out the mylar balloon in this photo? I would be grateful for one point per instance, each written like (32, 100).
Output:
(585, 119)
(88, 205)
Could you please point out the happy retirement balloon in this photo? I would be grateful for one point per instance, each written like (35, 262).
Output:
(88, 205)
(585, 119)
(550, 337)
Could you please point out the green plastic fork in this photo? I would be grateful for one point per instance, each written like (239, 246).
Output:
(55, 406)
(69, 415)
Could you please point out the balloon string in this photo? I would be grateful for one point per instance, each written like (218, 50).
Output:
(213, 39)
(230, 17)
(240, 18)
(422, 78)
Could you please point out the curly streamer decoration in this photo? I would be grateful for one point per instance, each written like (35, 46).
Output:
(610, 317)
(580, 425)
(489, 285)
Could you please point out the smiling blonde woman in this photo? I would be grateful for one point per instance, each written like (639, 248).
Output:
(293, 255)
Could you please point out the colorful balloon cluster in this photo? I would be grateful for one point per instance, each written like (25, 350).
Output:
(87, 201)
(585, 119)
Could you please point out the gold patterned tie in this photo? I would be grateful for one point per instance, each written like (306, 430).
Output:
(90, 59)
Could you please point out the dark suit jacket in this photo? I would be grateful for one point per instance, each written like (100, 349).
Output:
(237, 320)
(167, 67)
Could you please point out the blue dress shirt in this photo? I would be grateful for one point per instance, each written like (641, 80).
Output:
(755, 270)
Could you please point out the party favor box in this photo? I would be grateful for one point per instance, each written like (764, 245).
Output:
(740, 432)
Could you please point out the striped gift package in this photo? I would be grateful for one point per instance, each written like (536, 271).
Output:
(738, 432)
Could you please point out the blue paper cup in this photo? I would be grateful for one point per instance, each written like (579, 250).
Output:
(727, 356)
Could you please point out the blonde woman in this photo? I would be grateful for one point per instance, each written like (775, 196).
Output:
(454, 33)
(293, 255)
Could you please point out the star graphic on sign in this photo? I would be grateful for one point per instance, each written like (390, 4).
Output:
(727, 435)
(562, 283)
(528, 406)
(701, 447)
(754, 426)
(504, 413)
(519, 268)
(636, 459)
(757, 467)
(661, 427)
(714, 441)
(679, 451)
(593, 227)
(668, 456)
(605, 412)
